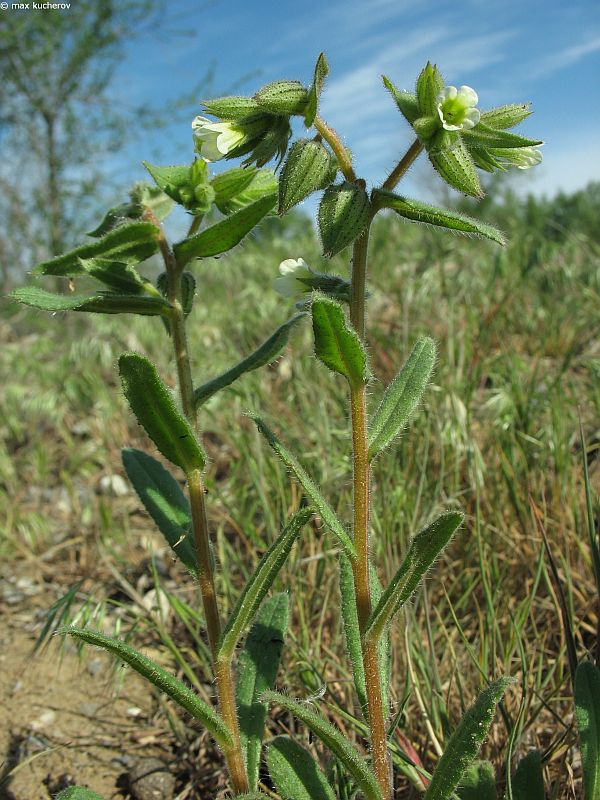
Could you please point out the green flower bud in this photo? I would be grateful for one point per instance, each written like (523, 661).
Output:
(229, 108)
(283, 97)
(307, 169)
(429, 85)
(344, 213)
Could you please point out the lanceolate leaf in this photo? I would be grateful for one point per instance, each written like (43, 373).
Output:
(102, 303)
(331, 737)
(295, 773)
(325, 511)
(118, 275)
(406, 101)
(479, 782)
(587, 713)
(485, 136)
(528, 781)
(155, 410)
(257, 668)
(402, 396)
(132, 243)
(78, 793)
(159, 677)
(260, 583)
(464, 744)
(265, 354)
(164, 501)
(321, 72)
(422, 552)
(224, 235)
(440, 217)
(336, 344)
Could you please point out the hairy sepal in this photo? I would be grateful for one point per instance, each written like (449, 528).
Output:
(344, 213)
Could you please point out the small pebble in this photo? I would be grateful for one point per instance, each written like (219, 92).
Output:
(113, 485)
(150, 779)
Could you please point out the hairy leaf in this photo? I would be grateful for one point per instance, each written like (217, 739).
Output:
(155, 410)
(118, 275)
(528, 781)
(102, 303)
(263, 355)
(159, 677)
(478, 782)
(416, 211)
(337, 743)
(260, 582)
(295, 773)
(422, 552)
(224, 235)
(402, 396)
(464, 744)
(325, 511)
(587, 714)
(336, 344)
(321, 72)
(164, 501)
(257, 668)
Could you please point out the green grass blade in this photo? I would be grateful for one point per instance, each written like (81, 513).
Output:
(593, 535)
(159, 677)
(224, 235)
(133, 242)
(263, 355)
(257, 668)
(402, 396)
(325, 511)
(156, 411)
(422, 552)
(528, 781)
(464, 744)
(295, 773)
(331, 737)
(260, 582)
(478, 782)
(587, 713)
(164, 501)
(336, 344)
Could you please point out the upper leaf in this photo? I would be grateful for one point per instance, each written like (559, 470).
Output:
(224, 235)
(133, 243)
(156, 411)
(295, 773)
(101, 303)
(314, 94)
(336, 343)
(406, 101)
(402, 396)
(507, 116)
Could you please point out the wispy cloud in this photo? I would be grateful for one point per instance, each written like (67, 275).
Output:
(566, 57)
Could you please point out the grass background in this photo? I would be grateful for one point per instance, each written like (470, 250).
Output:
(518, 372)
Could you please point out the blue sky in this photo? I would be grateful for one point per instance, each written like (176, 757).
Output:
(545, 52)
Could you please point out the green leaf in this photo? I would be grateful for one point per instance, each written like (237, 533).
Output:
(424, 548)
(147, 196)
(134, 242)
(116, 216)
(452, 160)
(78, 793)
(159, 677)
(295, 773)
(260, 582)
(102, 303)
(528, 781)
(336, 344)
(478, 782)
(325, 511)
(483, 135)
(314, 94)
(402, 396)
(264, 182)
(163, 499)
(338, 744)
(587, 714)
(263, 355)
(441, 217)
(231, 183)
(344, 213)
(170, 179)
(155, 410)
(406, 101)
(224, 235)
(307, 169)
(257, 668)
(118, 275)
(464, 744)
(506, 116)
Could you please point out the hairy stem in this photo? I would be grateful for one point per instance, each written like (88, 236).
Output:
(336, 144)
(223, 672)
(405, 162)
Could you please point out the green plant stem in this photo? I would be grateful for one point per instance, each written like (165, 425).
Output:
(223, 671)
(405, 162)
(334, 141)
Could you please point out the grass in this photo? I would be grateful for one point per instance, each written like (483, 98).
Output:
(518, 333)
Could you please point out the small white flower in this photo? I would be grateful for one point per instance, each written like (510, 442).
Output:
(295, 275)
(213, 140)
(456, 108)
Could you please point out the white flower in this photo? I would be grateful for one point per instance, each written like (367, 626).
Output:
(213, 140)
(456, 108)
(295, 276)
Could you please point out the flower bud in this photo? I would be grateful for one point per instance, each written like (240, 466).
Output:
(283, 97)
(232, 107)
(307, 169)
(429, 84)
(343, 215)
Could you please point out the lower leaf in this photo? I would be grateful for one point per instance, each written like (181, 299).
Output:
(295, 773)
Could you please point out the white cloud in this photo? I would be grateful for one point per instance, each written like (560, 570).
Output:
(565, 58)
